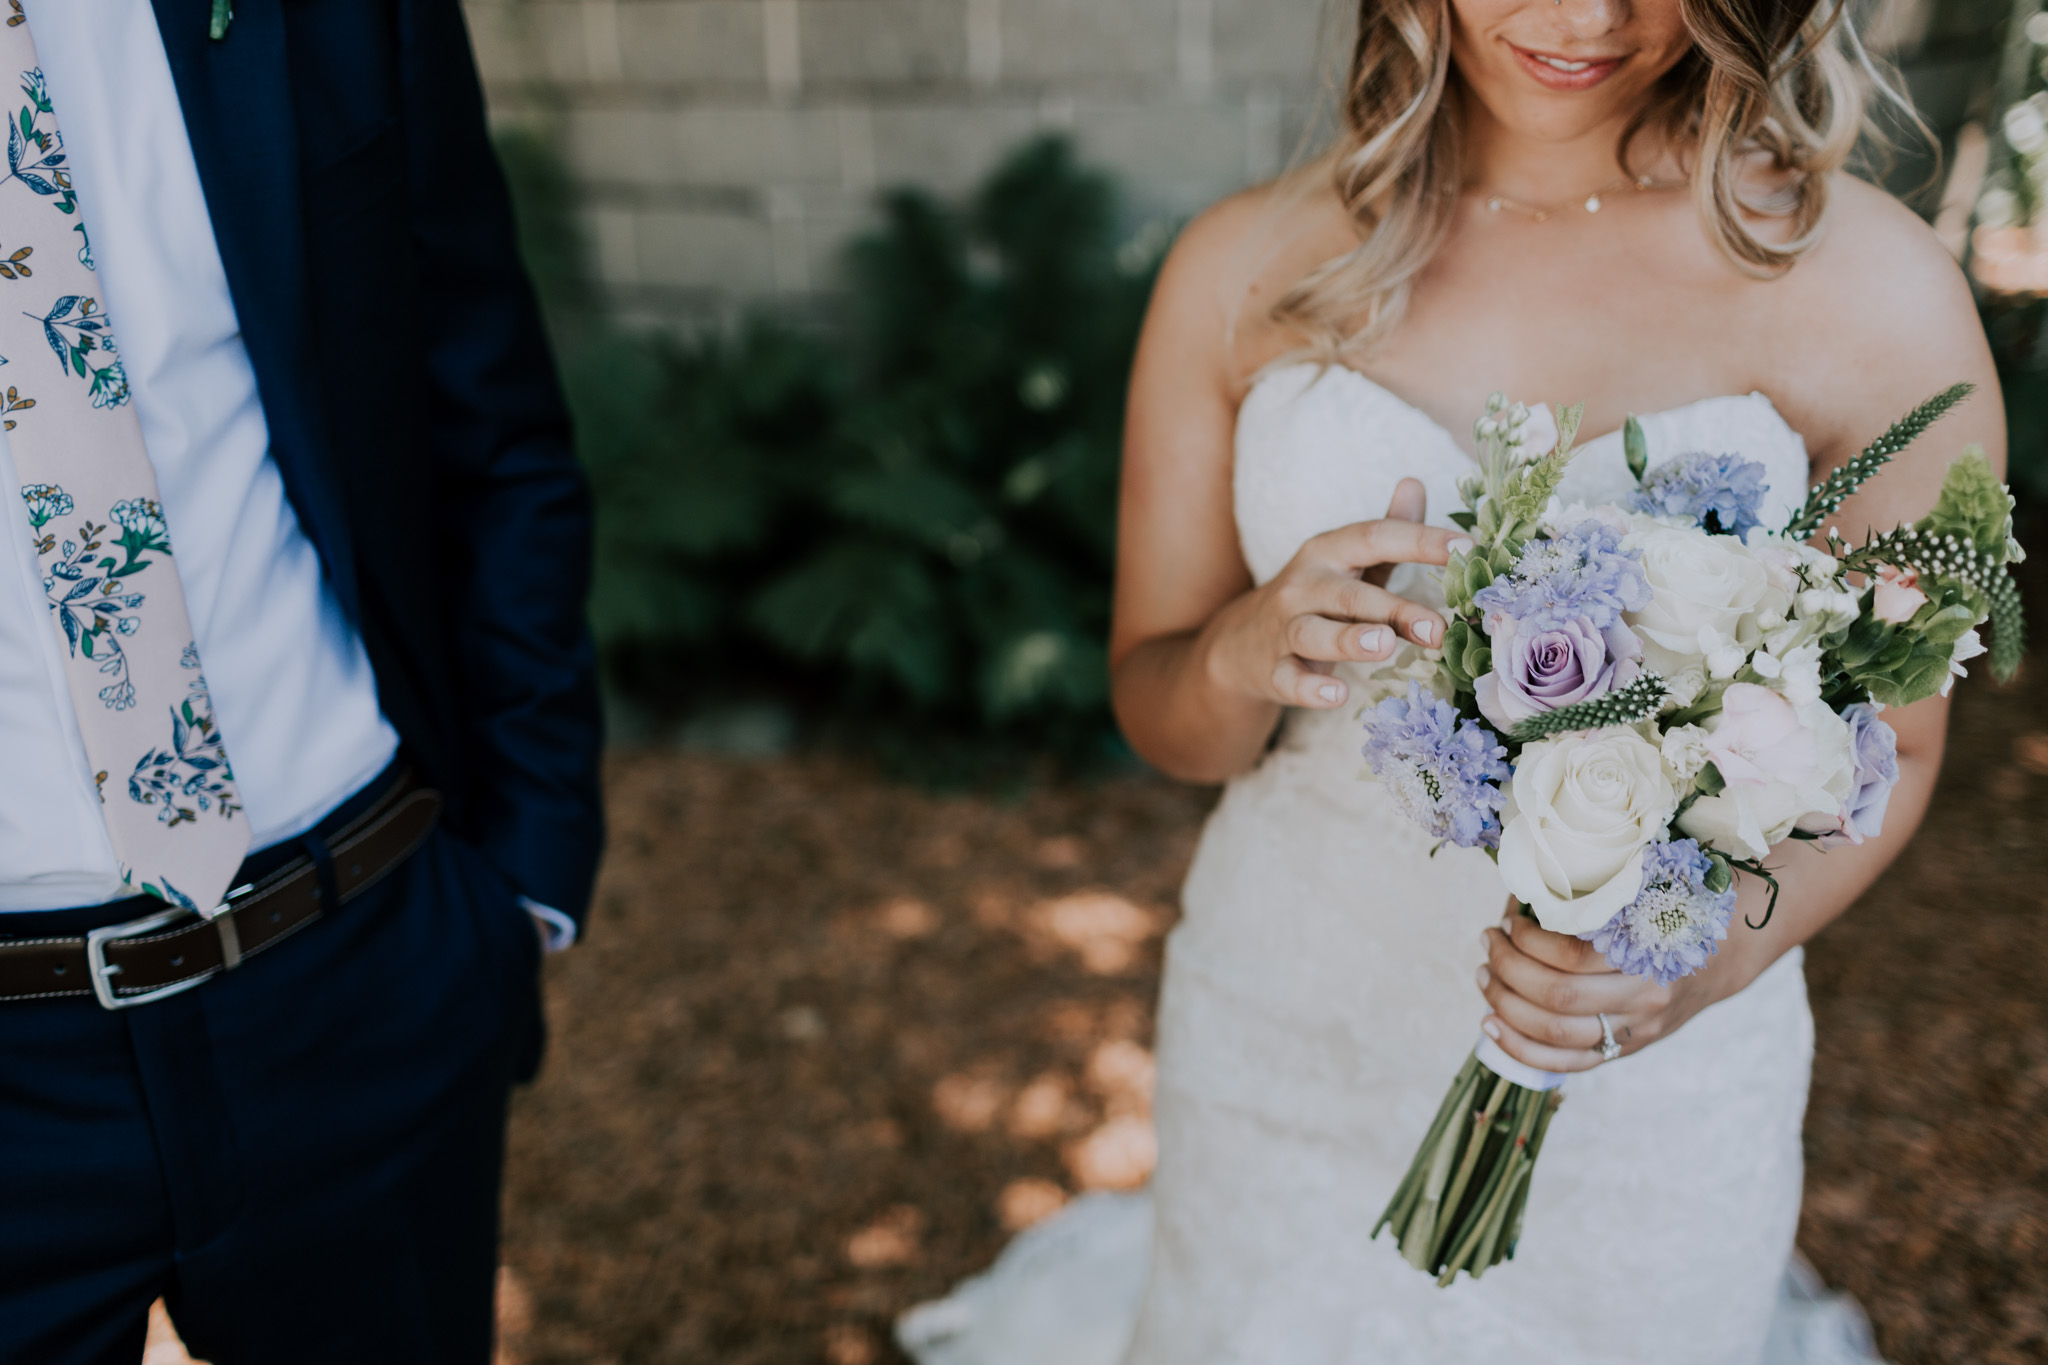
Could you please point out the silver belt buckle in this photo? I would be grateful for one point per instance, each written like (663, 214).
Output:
(103, 972)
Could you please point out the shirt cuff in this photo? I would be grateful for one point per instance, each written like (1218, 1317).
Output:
(558, 931)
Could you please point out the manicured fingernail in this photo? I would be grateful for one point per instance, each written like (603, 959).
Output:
(1370, 639)
(1491, 1029)
(1425, 631)
(1507, 924)
(1486, 939)
(1485, 977)
(1328, 692)
(1460, 545)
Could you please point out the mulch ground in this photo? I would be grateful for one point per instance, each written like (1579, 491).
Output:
(830, 1038)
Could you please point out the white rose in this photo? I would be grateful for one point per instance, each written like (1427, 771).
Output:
(1703, 587)
(1579, 811)
(1790, 781)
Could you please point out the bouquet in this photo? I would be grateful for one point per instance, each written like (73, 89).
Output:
(1635, 701)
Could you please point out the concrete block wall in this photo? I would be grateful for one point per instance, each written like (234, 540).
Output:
(727, 148)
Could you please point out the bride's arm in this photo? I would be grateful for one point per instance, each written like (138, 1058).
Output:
(1881, 278)
(1201, 661)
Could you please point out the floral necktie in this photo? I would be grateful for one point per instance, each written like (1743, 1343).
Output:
(165, 787)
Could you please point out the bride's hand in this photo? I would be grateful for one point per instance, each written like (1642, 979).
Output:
(1548, 991)
(1280, 642)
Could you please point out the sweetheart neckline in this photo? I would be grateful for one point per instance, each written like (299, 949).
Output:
(1374, 386)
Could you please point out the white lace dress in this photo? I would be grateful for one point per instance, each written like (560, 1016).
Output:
(1319, 997)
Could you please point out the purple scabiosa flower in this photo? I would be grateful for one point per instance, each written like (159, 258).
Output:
(1443, 771)
(1723, 493)
(1579, 574)
(1669, 930)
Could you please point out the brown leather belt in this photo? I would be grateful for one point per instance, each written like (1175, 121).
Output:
(147, 959)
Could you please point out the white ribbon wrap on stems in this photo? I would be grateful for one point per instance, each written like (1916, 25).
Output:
(1494, 1059)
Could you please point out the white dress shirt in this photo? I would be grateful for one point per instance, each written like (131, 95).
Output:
(292, 687)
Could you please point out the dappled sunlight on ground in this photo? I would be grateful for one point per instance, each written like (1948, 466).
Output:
(829, 1043)
(1028, 1201)
(1105, 931)
(894, 1239)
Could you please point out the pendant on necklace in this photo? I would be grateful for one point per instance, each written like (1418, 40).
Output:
(1592, 203)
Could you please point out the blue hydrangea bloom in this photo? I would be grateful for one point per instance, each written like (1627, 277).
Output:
(1582, 574)
(1443, 771)
(1672, 926)
(1723, 493)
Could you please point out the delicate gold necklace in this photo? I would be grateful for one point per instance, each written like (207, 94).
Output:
(1501, 203)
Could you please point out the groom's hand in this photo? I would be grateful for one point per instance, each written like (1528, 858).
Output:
(1548, 990)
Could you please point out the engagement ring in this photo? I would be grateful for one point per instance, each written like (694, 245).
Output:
(1608, 1049)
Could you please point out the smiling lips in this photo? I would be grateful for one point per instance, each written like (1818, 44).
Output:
(1566, 73)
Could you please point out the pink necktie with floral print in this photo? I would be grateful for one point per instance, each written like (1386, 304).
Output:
(165, 787)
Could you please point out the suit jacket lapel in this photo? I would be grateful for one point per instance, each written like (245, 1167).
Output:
(238, 112)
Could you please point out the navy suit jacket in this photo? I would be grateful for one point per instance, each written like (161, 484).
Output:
(412, 402)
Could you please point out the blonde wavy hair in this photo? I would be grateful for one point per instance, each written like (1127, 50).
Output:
(1786, 80)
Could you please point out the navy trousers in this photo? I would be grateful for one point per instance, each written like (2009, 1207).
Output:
(302, 1156)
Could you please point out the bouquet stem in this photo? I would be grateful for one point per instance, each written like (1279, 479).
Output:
(1460, 1205)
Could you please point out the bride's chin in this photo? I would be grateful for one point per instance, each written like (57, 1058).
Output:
(1543, 116)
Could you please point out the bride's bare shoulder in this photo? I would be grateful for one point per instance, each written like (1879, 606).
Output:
(1236, 259)
(1876, 311)
(1874, 248)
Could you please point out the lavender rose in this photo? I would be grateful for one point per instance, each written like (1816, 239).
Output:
(1540, 670)
(1875, 747)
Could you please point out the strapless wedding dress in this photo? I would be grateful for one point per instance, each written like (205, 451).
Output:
(1318, 999)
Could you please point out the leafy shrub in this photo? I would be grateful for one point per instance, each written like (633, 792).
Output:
(903, 522)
